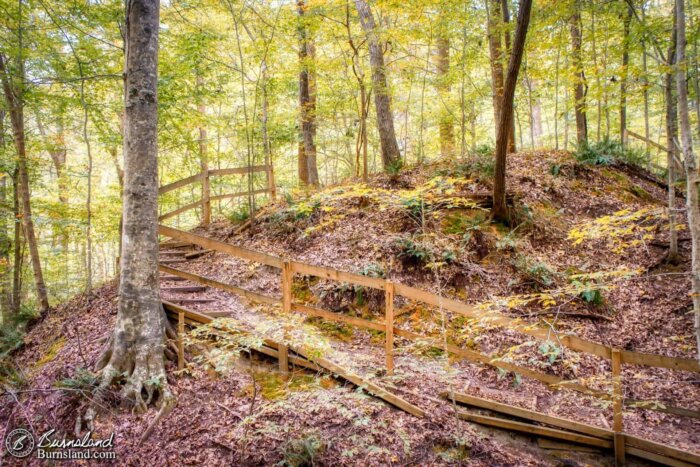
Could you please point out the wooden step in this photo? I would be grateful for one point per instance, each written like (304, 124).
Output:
(190, 300)
(173, 252)
(172, 278)
(218, 314)
(184, 289)
(196, 254)
(172, 261)
(175, 244)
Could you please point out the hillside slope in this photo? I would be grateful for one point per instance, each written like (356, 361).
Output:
(586, 254)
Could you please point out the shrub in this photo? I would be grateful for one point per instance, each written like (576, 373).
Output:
(607, 152)
(302, 452)
(414, 251)
(480, 162)
(534, 270)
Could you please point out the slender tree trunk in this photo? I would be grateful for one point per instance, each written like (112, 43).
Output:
(623, 77)
(506, 35)
(447, 135)
(391, 156)
(500, 210)
(691, 169)
(136, 348)
(494, 27)
(5, 244)
(556, 96)
(579, 75)
(14, 98)
(645, 93)
(594, 50)
(307, 100)
(671, 141)
(16, 246)
(203, 156)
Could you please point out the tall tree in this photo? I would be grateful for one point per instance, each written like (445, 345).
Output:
(447, 134)
(14, 96)
(136, 347)
(308, 169)
(382, 101)
(5, 244)
(498, 19)
(691, 169)
(500, 210)
(579, 74)
(671, 138)
(625, 74)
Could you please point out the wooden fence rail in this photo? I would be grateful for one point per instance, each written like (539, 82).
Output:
(289, 268)
(206, 197)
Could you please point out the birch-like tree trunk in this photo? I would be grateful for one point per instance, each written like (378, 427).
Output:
(136, 348)
(671, 135)
(308, 170)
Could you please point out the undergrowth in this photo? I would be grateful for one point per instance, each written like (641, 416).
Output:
(607, 152)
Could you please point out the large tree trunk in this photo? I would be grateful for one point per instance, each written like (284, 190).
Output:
(691, 169)
(447, 134)
(136, 348)
(500, 210)
(307, 102)
(385, 119)
(671, 135)
(579, 75)
(624, 74)
(16, 246)
(14, 98)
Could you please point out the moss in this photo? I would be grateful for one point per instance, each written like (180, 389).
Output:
(51, 352)
(340, 331)
(640, 192)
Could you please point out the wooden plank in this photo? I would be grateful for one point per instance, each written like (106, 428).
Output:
(663, 449)
(216, 245)
(319, 313)
(196, 254)
(619, 448)
(240, 194)
(389, 327)
(546, 443)
(237, 170)
(655, 405)
(184, 289)
(554, 381)
(656, 457)
(172, 261)
(178, 211)
(180, 183)
(617, 394)
(659, 361)
(191, 300)
(364, 384)
(172, 253)
(172, 278)
(252, 296)
(174, 244)
(530, 415)
(283, 358)
(287, 281)
(340, 276)
(534, 429)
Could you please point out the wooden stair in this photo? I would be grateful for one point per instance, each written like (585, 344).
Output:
(185, 289)
(172, 261)
(196, 254)
(190, 300)
(172, 278)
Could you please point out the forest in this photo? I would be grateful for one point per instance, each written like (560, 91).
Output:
(350, 232)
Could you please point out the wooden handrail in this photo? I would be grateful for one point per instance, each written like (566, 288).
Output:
(238, 170)
(573, 342)
(179, 210)
(180, 183)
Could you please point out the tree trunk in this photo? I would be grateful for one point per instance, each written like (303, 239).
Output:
(5, 290)
(447, 134)
(671, 135)
(506, 34)
(16, 246)
(495, 53)
(307, 102)
(624, 74)
(203, 157)
(500, 210)
(15, 105)
(579, 76)
(136, 348)
(691, 169)
(391, 156)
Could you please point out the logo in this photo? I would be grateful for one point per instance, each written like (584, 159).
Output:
(19, 443)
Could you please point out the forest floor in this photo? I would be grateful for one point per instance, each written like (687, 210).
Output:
(586, 254)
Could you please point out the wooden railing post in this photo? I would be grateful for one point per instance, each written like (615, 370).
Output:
(618, 428)
(287, 276)
(206, 194)
(389, 326)
(271, 181)
(180, 340)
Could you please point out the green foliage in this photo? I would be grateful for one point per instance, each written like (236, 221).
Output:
(607, 152)
(480, 162)
(83, 380)
(394, 168)
(240, 215)
(535, 270)
(550, 350)
(414, 250)
(302, 452)
(590, 293)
